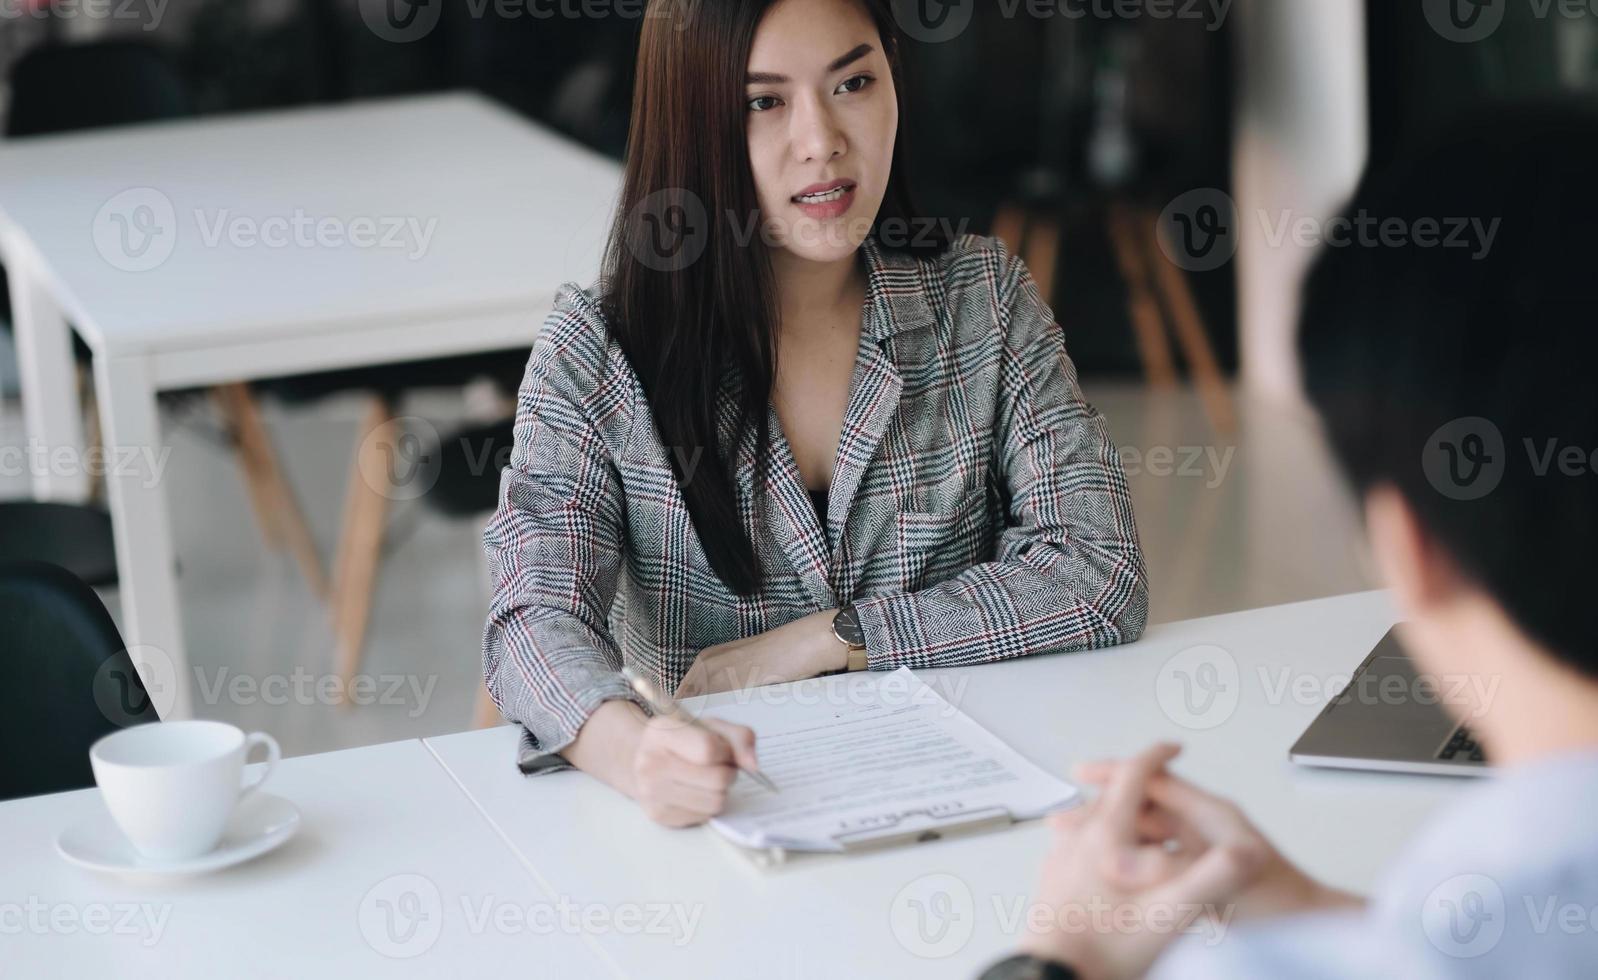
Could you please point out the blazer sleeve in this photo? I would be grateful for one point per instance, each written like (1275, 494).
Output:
(555, 547)
(1068, 573)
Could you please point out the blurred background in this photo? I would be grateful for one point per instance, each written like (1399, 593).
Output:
(1144, 158)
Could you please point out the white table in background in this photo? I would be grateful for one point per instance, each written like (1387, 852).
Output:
(940, 909)
(116, 232)
(393, 873)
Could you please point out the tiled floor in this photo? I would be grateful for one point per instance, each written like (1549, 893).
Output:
(1231, 523)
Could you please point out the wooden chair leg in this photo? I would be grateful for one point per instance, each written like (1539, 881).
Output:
(280, 498)
(277, 510)
(1159, 366)
(1188, 325)
(361, 540)
(1042, 254)
(227, 403)
(1009, 227)
(486, 713)
(91, 428)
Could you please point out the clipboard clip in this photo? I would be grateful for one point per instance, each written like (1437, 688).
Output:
(923, 826)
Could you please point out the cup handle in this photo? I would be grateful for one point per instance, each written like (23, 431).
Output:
(272, 755)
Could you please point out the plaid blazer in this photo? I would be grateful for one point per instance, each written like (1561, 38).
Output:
(977, 511)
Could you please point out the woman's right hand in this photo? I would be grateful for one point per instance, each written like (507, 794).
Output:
(681, 773)
(678, 773)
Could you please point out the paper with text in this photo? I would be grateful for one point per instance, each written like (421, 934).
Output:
(879, 754)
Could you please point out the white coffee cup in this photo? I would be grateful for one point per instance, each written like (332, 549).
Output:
(172, 785)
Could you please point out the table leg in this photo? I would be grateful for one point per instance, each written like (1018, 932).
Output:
(50, 405)
(135, 468)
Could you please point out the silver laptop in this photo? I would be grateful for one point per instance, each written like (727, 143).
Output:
(1390, 719)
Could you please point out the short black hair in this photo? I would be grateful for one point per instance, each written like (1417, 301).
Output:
(1463, 375)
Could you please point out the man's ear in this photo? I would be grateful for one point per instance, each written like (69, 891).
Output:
(1409, 561)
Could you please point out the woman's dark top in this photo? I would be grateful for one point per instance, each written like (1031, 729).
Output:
(819, 499)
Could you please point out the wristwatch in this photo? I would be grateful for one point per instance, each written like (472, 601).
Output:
(846, 627)
(1023, 966)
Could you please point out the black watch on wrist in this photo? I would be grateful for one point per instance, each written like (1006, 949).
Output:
(846, 630)
(1024, 966)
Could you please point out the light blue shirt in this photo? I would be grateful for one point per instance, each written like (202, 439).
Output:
(1504, 884)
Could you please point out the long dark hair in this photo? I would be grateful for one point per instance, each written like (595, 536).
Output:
(686, 317)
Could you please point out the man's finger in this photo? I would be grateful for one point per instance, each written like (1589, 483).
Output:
(1124, 796)
(1211, 817)
(1217, 877)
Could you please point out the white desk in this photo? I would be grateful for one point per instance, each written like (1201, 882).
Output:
(428, 227)
(379, 822)
(858, 916)
(645, 901)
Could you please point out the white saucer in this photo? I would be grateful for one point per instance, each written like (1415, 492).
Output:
(260, 824)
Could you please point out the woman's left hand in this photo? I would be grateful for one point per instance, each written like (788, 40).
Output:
(800, 649)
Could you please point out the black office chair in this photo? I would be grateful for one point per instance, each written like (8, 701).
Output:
(65, 680)
(75, 537)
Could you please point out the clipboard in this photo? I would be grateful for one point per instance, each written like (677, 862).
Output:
(903, 829)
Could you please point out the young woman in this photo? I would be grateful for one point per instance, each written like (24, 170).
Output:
(794, 429)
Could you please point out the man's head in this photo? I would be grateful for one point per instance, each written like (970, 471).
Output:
(1450, 347)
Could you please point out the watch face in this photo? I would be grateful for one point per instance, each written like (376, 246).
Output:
(846, 626)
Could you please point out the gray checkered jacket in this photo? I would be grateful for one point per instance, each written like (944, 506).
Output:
(977, 510)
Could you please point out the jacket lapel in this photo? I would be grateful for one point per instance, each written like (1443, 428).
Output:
(895, 302)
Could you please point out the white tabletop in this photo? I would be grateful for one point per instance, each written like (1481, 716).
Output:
(380, 824)
(560, 876)
(947, 908)
(454, 205)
